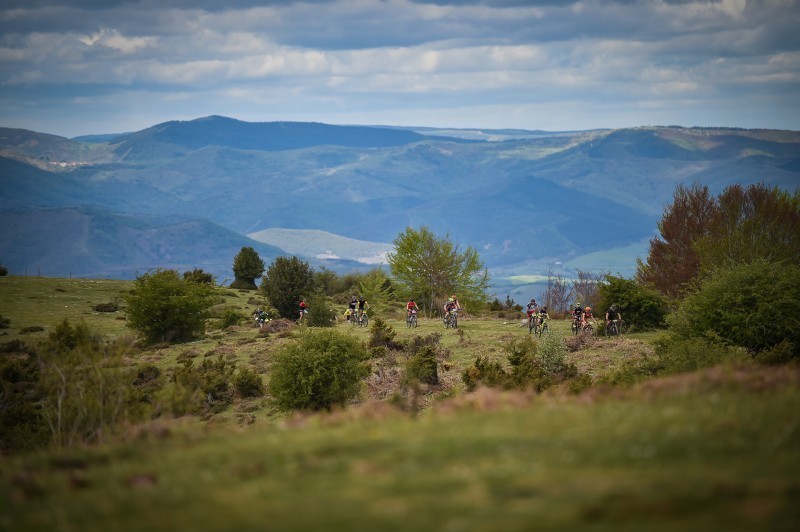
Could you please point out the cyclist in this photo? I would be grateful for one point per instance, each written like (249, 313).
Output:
(543, 316)
(532, 309)
(352, 306)
(411, 306)
(613, 314)
(451, 306)
(348, 314)
(362, 306)
(577, 314)
(303, 309)
(587, 315)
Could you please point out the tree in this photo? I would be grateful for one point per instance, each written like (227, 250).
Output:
(673, 261)
(750, 224)
(286, 282)
(744, 305)
(164, 307)
(586, 287)
(700, 233)
(376, 289)
(642, 307)
(557, 294)
(431, 268)
(247, 267)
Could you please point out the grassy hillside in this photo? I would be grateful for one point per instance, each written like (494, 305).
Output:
(715, 450)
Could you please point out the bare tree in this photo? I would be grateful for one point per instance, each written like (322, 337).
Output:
(585, 287)
(557, 295)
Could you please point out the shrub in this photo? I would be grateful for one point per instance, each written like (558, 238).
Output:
(381, 334)
(22, 426)
(746, 305)
(166, 308)
(322, 369)
(247, 383)
(111, 306)
(198, 276)
(85, 385)
(5, 323)
(486, 372)
(212, 379)
(230, 317)
(641, 306)
(3, 271)
(422, 366)
(682, 355)
(319, 312)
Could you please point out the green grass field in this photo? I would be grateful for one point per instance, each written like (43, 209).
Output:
(713, 450)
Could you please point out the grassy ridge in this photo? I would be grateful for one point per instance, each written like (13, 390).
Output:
(722, 461)
(710, 450)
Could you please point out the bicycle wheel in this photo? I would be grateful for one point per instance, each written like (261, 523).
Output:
(588, 329)
(543, 329)
(530, 326)
(575, 328)
(414, 321)
(364, 320)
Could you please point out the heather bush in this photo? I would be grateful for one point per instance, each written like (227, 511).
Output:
(422, 366)
(247, 383)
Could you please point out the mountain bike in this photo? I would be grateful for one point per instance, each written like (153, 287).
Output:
(576, 326)
(533, 324)
(613, 328)
(451, 320)
(411, 319)
(543, 328)
(363, 320)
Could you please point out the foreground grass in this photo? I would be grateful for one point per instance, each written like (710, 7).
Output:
(724, 459)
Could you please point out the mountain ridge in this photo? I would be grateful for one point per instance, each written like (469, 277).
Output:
(524, 203)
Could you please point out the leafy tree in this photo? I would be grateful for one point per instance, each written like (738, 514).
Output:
(748, 305)
(323, 369)
(642, 307)
(701, 233)
(376, 289)
(247, 267)
(673, 261)
(432, 268)
(586, 287)
(750, 224)
(287, 281)
(164, 307)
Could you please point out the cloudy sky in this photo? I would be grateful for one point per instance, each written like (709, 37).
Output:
(102, 66)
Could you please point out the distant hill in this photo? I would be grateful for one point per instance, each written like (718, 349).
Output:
(82, 243)
(528, 201)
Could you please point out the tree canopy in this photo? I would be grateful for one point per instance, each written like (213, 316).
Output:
(700, 233)
(286, 282)
(247, 267)
(431, 268)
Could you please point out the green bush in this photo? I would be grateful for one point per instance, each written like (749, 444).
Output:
(381, 334)
(198, 276)
(22, 426)
(166, 308)
(247, 383)
(320, 313)
(85, 384)
(484, 372)
(5, 323)
(683, 355)
(641, 306)
(230, 317)
(322, 369)
(422, 366)
(206, 386)
(748, 305)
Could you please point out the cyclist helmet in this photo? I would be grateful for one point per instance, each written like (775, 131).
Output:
(361, 298)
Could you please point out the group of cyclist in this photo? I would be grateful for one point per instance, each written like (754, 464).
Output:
(584, 316)
(536, 315)
(356, 308)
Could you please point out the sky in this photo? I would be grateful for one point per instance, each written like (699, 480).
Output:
(83, 67)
